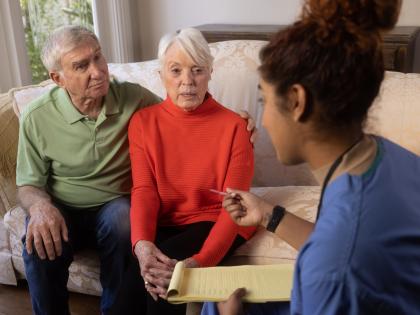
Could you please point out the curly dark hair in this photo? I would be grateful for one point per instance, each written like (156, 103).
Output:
(334, 51)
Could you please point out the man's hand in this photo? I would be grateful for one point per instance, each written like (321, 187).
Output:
(247, 209)
(251, 125)
(155, 268)
(46, 230)
(233, 306)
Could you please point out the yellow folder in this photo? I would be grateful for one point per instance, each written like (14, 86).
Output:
(264, 283)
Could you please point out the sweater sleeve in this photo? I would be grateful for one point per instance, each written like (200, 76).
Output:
(239, 175)
(145, 200)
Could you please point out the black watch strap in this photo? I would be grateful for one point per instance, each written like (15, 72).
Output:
(276, 217)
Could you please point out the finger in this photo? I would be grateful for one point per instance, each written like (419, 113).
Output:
(251, 124)
(161, 284)
(157, 290)
(237, 215)
(56, 238)
(244, 114)
(164, 296)
(48, 243)
(231, 201)
(239, 293)
(159, 273)
(235, 191)
(233, 208)
(164, 259)
(154, 295)
(254, 135)
(39, 247)
(64, 231)
(29, 240)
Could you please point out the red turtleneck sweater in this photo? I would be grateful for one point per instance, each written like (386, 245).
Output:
(176, 157)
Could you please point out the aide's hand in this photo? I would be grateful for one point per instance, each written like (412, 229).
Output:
(155, 268)
(233, 305)
(46, 230)
(247, 209)
(250, 126)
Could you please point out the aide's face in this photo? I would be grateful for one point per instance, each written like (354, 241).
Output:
(280, 126)
(84, 72)
(185, 82)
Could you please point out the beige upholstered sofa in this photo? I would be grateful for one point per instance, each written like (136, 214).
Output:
(395, 115)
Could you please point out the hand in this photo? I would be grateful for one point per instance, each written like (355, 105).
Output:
(251, 125)
(247, 209)
(155, 268)
(46, 230)
(191, 263)
(233, 306)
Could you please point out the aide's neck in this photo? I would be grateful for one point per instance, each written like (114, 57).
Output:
(327, 150)
(89, 107)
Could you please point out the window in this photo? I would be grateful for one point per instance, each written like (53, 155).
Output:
(41, 17)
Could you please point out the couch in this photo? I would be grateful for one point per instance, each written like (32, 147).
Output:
(395, 115)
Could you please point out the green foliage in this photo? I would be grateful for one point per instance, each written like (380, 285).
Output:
(41, 17)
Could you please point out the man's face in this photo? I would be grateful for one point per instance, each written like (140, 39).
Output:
(84, 72)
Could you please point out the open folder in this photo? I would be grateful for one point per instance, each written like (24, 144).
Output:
(263, 283)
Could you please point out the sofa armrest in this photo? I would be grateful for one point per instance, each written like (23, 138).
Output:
(9, 127)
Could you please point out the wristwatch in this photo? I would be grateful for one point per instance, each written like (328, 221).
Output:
(276, 217)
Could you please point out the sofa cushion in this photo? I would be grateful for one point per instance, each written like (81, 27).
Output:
(395, 113)
(83, 272)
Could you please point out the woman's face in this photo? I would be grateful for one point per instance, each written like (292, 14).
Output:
(186, 82)
(280, 125)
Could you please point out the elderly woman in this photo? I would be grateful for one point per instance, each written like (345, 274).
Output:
(183, 149)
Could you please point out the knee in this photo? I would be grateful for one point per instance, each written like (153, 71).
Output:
(114, 221)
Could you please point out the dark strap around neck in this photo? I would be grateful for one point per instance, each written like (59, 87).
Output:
(330, 173)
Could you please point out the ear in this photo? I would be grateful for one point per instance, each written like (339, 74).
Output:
(57, 78)
(298, 102)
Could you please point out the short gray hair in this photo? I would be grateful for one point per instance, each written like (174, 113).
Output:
(61, 41)
(192, 42)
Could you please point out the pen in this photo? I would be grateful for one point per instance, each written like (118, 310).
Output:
(219, 192)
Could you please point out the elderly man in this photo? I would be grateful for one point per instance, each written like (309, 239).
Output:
(73, 170)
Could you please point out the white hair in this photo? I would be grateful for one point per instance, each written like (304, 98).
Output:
(61, 41)
(192, 42)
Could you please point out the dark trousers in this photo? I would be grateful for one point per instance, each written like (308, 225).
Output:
(175, 242)
(106, 228)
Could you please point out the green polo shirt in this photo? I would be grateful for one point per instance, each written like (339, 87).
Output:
(81, 162)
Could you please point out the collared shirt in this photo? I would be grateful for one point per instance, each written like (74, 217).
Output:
(81, 162)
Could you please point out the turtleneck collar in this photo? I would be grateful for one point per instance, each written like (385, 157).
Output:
(207, 106)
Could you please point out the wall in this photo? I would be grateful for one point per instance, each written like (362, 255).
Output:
(157, 17)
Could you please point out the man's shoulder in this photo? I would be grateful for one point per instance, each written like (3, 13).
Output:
(40, 106)
(133, 93)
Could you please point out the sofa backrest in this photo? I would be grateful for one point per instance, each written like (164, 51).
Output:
(395, 114)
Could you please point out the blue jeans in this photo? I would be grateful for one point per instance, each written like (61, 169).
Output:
(106, 228)
(270, 308)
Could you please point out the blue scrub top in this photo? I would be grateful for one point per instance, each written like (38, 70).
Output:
(363, 256)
